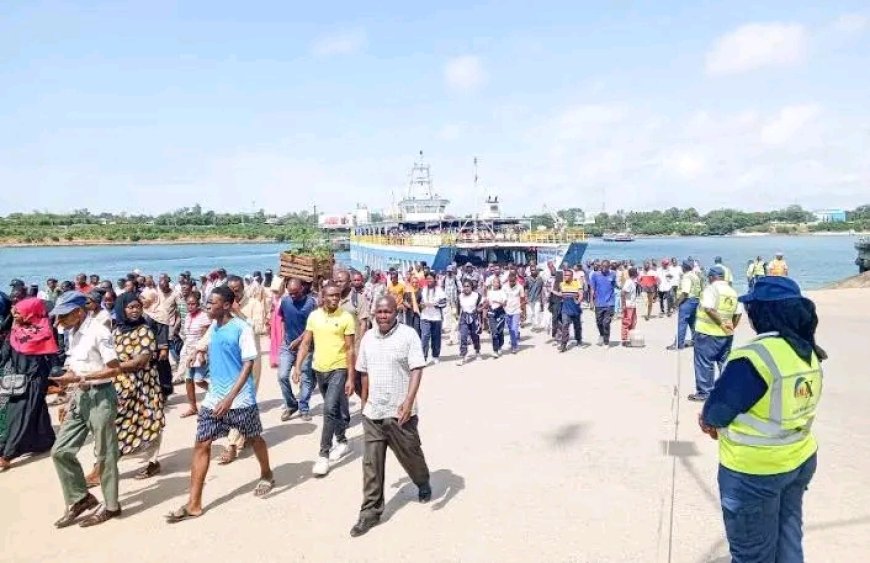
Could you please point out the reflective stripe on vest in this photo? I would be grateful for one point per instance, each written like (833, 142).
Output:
(726, 307)
(771, 438)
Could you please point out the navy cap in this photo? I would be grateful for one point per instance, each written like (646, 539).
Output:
(716, 272)
(772, 288)
(69, 302)
(717, 259)
(16, 283)
(688, 264)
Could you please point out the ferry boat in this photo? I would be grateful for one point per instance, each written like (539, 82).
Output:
(617, 237)
(421, 231)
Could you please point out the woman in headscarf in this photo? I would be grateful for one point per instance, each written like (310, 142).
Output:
(31, 351)
(276, 325)
(140, 418)
(761, 411)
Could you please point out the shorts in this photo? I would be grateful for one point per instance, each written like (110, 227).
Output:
(246, 420)
(197, 374)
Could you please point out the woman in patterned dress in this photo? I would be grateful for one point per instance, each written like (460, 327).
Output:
(140, 418)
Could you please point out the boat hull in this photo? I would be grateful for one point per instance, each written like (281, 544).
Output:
(365, 255)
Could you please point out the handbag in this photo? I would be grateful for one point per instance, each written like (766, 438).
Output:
(11, 385)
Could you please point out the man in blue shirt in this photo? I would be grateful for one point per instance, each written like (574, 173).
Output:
(294, 310)
(602, 285)
(230, 402)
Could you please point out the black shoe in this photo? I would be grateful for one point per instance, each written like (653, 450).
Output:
(672, 347)
(697, 397)
(73, 512)
(425, 493)
(562, 348)
(689, 344)
(288, 414)
(99, 517)
(363, 525)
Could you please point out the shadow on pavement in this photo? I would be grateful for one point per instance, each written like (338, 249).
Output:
(445, 486)
(568, 434)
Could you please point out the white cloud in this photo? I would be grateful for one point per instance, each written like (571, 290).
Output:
(685, 164)
(787, 123)
(757, 45)
(465, 73)
(851, 24)
(342, 43)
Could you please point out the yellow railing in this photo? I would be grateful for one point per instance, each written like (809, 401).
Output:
(428, 239)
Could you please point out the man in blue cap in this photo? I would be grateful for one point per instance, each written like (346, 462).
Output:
(688, 297)
(761, 411)
(716, 318)
(92, 365)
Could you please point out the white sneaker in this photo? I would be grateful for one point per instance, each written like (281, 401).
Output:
(339, 451)
(461, 361)
(321, 467)
(436, 361)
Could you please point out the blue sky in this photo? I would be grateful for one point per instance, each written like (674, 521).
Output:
(151, 106)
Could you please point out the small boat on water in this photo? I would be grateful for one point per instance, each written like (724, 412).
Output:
(617, 237)
(420, 230)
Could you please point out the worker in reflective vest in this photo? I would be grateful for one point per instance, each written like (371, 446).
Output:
(778, 267)
(729, 277)
(718, 315)
(761, 410)
(688, 296)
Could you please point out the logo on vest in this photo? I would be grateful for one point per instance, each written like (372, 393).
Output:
(802, 389)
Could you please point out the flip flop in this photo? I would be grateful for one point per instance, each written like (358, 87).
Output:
(180, 515)
(264, 487)
(190, 412)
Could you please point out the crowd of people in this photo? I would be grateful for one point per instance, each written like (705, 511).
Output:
(111, 354)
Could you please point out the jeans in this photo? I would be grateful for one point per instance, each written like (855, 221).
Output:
(566, 321)
(469, 328)
(686, 320)
(331, 384)
(603, 318)
(286, 361)
(496, 328)
(513, 324)
(710, 355)
(763, 513)
(430, 331)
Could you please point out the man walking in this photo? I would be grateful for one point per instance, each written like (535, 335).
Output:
(535, 298)
(229, 404)
(571, 295)
(294, 310)
(513, 309)
(687, 304)
(391, 364)
(602, 284)
(91, 364)
(330, 330)
(717, 317)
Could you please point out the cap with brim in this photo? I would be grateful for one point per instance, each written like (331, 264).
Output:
(772, 288)
(16, 283)
(69, 302)
(95, 295)
(716, 272)
(688, 265)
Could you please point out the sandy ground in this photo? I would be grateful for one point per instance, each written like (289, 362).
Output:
(593, 455)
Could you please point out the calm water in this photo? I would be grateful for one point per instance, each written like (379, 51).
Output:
(813, 261)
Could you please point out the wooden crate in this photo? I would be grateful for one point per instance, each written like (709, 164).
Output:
(305, 268)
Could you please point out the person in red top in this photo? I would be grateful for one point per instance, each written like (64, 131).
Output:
(649, 285)
(82, 284)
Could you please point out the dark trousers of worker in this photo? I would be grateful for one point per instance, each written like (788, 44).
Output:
(567, 321)
(686, 320)
(92, 411)
(430, 333)
(764, 513)
(469, 329)
(710, 355)
(666, 302)
(603, 318)
(331, 385)
(404, 441)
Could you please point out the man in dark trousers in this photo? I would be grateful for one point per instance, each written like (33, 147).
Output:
(390, 362)
(603, 287)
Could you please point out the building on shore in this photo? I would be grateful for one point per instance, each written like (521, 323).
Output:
(830, 215)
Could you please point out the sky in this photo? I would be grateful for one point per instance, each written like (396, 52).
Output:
(152, 106)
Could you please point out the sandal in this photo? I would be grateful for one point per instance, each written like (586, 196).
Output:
(228, 456)
(180, 515)
(150, 470)
(190, 412)
(264, 487)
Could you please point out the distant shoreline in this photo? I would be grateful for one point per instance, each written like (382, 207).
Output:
(106, 242)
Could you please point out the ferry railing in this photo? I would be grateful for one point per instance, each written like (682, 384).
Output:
(446, 239)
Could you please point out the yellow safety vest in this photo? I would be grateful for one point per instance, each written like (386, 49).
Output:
(695, 289)
(776, 268)
(726, 307)
(729, 277)
(759, 269)
(774, 435)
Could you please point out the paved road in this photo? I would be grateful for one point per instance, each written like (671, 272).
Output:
(535, 457)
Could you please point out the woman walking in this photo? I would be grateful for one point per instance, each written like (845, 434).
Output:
(495, 300)
(31, 352)
(470, 308)
(432, 305)
(276, 325)
(190, 365)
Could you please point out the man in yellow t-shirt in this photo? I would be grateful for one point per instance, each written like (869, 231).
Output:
(331, 329)
(396, 289)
